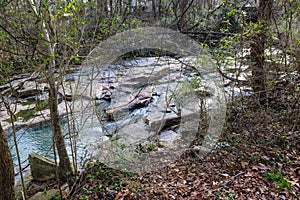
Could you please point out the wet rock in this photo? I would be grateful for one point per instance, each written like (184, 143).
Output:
(42, 169)
(129, 103)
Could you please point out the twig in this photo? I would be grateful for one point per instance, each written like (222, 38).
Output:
(229, 181)
(76, 186)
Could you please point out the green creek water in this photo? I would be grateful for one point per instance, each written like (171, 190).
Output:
(36, 139)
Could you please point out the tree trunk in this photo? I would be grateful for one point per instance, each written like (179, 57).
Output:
(154, 8)
(184, 6)
(7, 174)
(65, 170)
(119, 7)
(159, 8)
(102, 7)
(258, 48)
(181, 21)
(99, 8)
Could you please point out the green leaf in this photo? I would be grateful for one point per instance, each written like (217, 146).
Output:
(75, 58)
(232, 12)
(280, 180)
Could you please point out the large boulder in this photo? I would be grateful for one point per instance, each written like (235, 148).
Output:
(42, 169)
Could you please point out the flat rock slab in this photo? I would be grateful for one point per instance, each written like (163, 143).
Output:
(168, 136)
(158, 121)
(28, 93)
(127, 103)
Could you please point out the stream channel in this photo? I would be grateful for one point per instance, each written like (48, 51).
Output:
(130, 101)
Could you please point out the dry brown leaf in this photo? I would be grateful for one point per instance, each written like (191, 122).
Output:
(244, 164)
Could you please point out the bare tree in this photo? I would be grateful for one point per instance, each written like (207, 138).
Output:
(65, 170)
(258, 48)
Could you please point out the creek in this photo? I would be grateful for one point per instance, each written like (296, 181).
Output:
(130, 102)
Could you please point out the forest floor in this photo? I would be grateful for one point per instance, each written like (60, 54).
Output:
(259, 159)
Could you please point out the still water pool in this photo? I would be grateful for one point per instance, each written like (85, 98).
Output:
(37, 139)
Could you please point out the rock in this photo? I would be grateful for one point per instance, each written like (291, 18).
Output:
(105, 93)
(129, 103)
(168, 136)
(29, 89)
(18, 186)
(65, 93)
(67, 97)
(133, 131)
(50, 194)
(158, 121)
(103, 138)
(42, 169)
(102, 104)
(4, 87)
(91, 134)
(27, 93)
(203, 92)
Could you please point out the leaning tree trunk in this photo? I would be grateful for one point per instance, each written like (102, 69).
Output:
(7, 174)
(257, 49)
